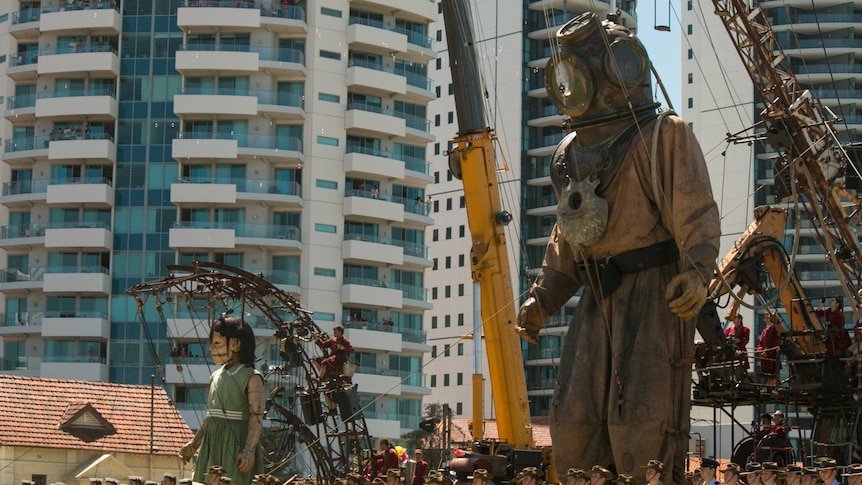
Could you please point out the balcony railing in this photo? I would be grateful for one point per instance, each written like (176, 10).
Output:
(75, 359)
(92, 91)
(265, 231)
(415, 206)
(77, 268)
(410, 249)
(24, 16)
(81, 180)
(76, 314)
(415, 38)
(16, 275)
(91, 5)
(413, 164)
(412, 292)
(23, 59)
(543, 353)
(269, 142)
(407, 334)
(413, 79)
(258, 186)
(21, 319)
(79, 225)
(26, 143)
(78, 49)
(20, 363)
(26, 187)
(21, 101)
(267, 9)
(263, 97)
(14, 231)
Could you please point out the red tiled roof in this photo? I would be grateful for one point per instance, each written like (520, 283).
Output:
(34, 409)
(461, 431)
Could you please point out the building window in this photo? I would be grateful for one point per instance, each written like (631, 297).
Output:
(433, 351)
(451, 89)
(459, 379)
(4, 18)
(448, 262)
(437, 91)
(690, 29)
(434, 293)
(447, 321)
(461, 289)
(437, 152)
(329, 317)
(435, 235)
(336, 56)
(329, 98)
(460, 260)
(327, 140)
(689, 6)
(326, 184)
(448, 175)
(436, 206)
(691, 102)
(449, 204)
(448, 291)
(460, 348)
(437, 173)
(448, 233)
(434, 325)
(461, 230)
(330, 12)
(436, 120)
(460, 319)
(463, 202)
(328, 272)
(438, 64)
(440, 7)
(451, 117)
(445, 380)
(439, 35)
(328, 228)
(691, 54)
(446, 350)
(39, 479)
(459, 408)
(434, 377)
(690, 78)
(434, 264)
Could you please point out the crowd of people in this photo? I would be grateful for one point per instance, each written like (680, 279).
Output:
(711, 472)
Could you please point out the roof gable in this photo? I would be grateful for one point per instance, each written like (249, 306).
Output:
(97, 416)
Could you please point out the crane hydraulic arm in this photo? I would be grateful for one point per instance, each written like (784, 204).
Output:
(810, 163)
(472, 160)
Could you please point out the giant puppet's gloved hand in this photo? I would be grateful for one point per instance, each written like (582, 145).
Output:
(531, 319)
(686, 293)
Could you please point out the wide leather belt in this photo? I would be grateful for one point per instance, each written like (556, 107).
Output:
(610, 270)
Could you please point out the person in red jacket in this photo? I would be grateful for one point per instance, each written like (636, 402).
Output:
(837, 339)
(339, 348)
(767, 350)
(740, 334)
(421, 468)
(389, 457)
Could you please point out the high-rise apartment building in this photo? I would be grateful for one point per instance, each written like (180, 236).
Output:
(284, 138)
(719, 98)
(514, 41)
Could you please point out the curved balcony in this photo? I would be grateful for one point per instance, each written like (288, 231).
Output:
(364, 248)
(81, 367)
(100, 61)
(283, 63)
(289, 20)
(198, 191)
(86, 20)
(370, 292)
(24, 193)
(373, 78)
(24, 24)
(272, 236)
(281, 106)
(373, 121)
(25, 150)
(545, 116)
(372, 163)
(809, 23)
(205, 104)
(218, 16)
(359, 205)
(208, 60)
(81, 324)
(21, 323)
(374, 37)
(17, 280)
(92, 105)
(21, 109)
(88, 235)
(93, 191)
(96, 147)
(191, 145)
(22, 235)
(77, 279)
(229, 235)
(23, 66)
(424, 11)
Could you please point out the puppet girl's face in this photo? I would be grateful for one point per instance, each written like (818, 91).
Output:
(220, 350)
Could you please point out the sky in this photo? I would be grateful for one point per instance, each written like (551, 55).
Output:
(663, 48)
